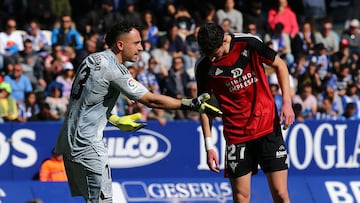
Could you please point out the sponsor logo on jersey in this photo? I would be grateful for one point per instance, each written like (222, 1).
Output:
(241, 80)
(132, 83)
(237, 72)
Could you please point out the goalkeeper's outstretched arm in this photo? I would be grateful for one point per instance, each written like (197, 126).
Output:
(193, 104)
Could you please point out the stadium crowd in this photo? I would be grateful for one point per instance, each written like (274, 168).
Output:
(43, 42)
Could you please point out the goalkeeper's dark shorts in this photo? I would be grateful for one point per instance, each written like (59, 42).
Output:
(268, 151)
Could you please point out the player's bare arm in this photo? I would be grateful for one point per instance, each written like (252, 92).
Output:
(287, 115)
(212, 158)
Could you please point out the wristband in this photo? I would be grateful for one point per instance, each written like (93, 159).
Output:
(209, 143)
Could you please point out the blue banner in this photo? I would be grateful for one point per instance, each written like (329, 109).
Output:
(177, 149)
(335, 189)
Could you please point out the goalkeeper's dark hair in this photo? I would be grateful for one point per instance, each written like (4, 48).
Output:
(210, 37)
(118, 29)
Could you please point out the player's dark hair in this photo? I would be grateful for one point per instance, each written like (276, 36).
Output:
(210, 37)
(117, 30)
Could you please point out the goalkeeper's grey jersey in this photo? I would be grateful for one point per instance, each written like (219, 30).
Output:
(98, 83)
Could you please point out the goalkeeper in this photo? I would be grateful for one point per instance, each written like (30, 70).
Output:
(99, 80)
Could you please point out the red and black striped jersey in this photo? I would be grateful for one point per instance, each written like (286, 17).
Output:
(239, 83)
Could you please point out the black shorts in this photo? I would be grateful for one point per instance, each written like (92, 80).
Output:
(268, 151)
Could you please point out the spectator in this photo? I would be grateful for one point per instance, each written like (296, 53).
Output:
(20, 83)
(66, 79)
(167, 17)
(281, 43)
(131, 15)
(353, 36)
(208, 14)
(298, 112)
(99, 20)
(344, 57)
(8, 106)
(282, 13)
(71, 53)
(91, 45)
(300, 66)
(29, 108)
(159, 70)
(32, 65)
(275, 91)
(176, 43)
(311, 77)
(38, 37)
(307, 100)
(191, 92)
(135, 107)
(226, 26)
(322, 60)
(150, 80)
(304, 41)
(326, 111)
(192, 52)
(343, 78)
(66, 35)
(253, 15)
(184, 21)
(160, 52)
(53, 169)
(330, 94)
(229, 11)
(175, 83)
(44, 114)
(272, 78)
(56, 100)
(328, 37)
(10, 40)
(349, 113)
(152, 29)
(340, 99)
(54, 63)
(352, 97)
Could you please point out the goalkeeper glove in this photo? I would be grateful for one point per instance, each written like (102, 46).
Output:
(199, 104)
(127, 123)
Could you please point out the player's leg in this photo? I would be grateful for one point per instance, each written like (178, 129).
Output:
(94, 187)
(278, 186)
(274, 163)
(238, 168)
(98, 186)
(83, 182)
(241, 188)
(76, 176)
(106, 186)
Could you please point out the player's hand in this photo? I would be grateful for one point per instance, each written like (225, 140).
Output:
(287, 116)
(212, 161)
(127, 123)
(199, 104)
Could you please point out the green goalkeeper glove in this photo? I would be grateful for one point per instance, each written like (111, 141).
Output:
(127, 123)
(199, 104)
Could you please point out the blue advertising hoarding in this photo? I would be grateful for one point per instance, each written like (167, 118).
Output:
(177, 149)
(163, 163)
(317, 189)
